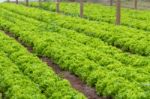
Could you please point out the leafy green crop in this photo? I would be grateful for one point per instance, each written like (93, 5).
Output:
(130, 40)
(96, 12)
(14, 84)
(20, 68)
(108, 69)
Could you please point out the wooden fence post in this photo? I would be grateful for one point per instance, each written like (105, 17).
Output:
(27, 2)
(81, 8)
(118, 12)
(135, 4)
(40, 4)
(16, 1)
(57, 6)
(111, 2)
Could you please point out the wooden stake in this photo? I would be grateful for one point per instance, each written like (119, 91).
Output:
(118, 12)
(16, 1)
(27, 2)
(135, 4)
(40, 4)
(111, 2)
(57, 6)
(81, 8)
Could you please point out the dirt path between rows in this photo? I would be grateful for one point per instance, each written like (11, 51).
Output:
(76, 83)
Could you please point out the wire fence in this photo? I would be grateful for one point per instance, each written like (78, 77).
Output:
(136, 4)
(141, 4)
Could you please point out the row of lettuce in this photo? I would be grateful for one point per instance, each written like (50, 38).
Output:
(108, 69)
(97, 12)
(135, 60)
(130, 40)
(24, 76)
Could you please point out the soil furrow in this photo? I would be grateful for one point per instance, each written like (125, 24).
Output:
(75, 81)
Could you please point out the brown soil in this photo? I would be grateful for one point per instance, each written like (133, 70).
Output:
(76, 83)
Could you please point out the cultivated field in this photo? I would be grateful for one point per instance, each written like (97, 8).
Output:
(109, 61)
